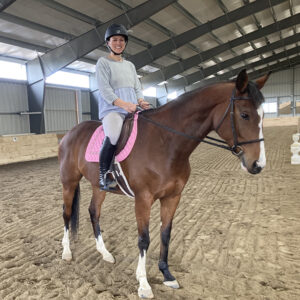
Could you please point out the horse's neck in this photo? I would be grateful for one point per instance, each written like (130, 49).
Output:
(195, 114)
(192, 116)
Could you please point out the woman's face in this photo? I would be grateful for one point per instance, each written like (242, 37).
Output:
(117, 43)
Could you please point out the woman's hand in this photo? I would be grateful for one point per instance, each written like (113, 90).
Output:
(143, 104)
(128, 106)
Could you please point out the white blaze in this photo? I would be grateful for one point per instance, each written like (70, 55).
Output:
(262, 155)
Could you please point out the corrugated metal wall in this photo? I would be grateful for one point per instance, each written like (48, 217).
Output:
(64, 108)
(13, 100)
(283, 88)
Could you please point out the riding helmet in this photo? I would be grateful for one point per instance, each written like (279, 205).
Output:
(116, 29)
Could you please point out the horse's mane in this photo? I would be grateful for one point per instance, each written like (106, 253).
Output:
(253, 91)
(255, 94)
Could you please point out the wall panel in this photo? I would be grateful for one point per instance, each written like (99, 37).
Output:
(13, 100)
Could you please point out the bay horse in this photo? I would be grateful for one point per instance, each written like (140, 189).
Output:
(166, 138)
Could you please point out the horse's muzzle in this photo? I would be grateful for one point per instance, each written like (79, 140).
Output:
(255, 169)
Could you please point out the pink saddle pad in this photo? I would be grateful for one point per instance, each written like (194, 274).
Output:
(93, 149)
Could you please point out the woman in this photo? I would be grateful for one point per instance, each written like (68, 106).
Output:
(119, 94)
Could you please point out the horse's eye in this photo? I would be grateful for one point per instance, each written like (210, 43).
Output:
(245, 116)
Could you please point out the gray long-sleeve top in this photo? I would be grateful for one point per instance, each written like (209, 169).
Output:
(116, 79)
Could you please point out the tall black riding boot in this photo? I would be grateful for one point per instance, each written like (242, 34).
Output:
(106, 155)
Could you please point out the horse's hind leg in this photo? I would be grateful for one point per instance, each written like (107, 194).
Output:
(71, 194)
(167, 211)
(95, 210)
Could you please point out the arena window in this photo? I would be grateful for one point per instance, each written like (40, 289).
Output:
(12, 70)
(270, 107)
(69, 79)
(150, 92)
(172, 95)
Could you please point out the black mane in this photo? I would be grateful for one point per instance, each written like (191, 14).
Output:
(255, 93)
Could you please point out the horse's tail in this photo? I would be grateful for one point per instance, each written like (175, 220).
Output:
(75, 212)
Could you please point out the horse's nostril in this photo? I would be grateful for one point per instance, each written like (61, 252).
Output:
(256, 168)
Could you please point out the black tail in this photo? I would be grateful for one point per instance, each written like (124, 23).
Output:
(75, 212)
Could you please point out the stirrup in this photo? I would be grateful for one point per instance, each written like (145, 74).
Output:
(109, 185)
(108, 188)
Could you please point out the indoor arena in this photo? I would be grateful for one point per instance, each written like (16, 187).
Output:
(181, 217)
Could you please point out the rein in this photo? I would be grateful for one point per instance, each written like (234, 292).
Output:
(236, 147)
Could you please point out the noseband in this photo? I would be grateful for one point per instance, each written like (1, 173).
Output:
(236, 149)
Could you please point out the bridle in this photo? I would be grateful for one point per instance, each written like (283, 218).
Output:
(236, 149)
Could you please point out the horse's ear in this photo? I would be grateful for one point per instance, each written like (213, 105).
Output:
(242, 81)
(261, 81)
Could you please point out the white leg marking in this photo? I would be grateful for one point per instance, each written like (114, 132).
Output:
(102, 249)
(67, 254)
(262, 155)
(144, 290)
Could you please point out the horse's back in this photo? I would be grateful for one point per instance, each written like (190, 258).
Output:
(73, 145)
(77, 137)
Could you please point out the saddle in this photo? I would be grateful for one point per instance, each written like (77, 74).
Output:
(125, 133)
(124, 147)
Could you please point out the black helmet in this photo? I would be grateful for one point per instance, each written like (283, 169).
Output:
(116, 29)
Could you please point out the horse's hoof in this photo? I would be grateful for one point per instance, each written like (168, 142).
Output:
(67, 256)
(145, 293)
(109, 258)
(173, 284)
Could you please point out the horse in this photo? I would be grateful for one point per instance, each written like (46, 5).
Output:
(166, 137)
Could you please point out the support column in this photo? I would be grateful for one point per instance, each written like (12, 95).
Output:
(36, 96)
(94, 92)
(293, 94)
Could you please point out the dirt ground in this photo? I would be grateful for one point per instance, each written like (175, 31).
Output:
(235, 235)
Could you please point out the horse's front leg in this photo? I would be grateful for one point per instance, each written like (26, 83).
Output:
(95, 210)
(70, 194)
(167, 211)
(142, 211)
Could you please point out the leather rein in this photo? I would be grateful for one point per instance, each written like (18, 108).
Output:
(235, 149)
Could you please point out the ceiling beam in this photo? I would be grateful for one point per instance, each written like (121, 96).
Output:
(191, 78)
(196, 22)
(54, 32)
(177, 68)
(84, 18)
(22, 44)
(37, 48)
(70, 12)
(94, 22)
(62, 56)
(286, 64)
(5, 3)
(147, 56)
(181, 84)
(289, 63)
(35, 26)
